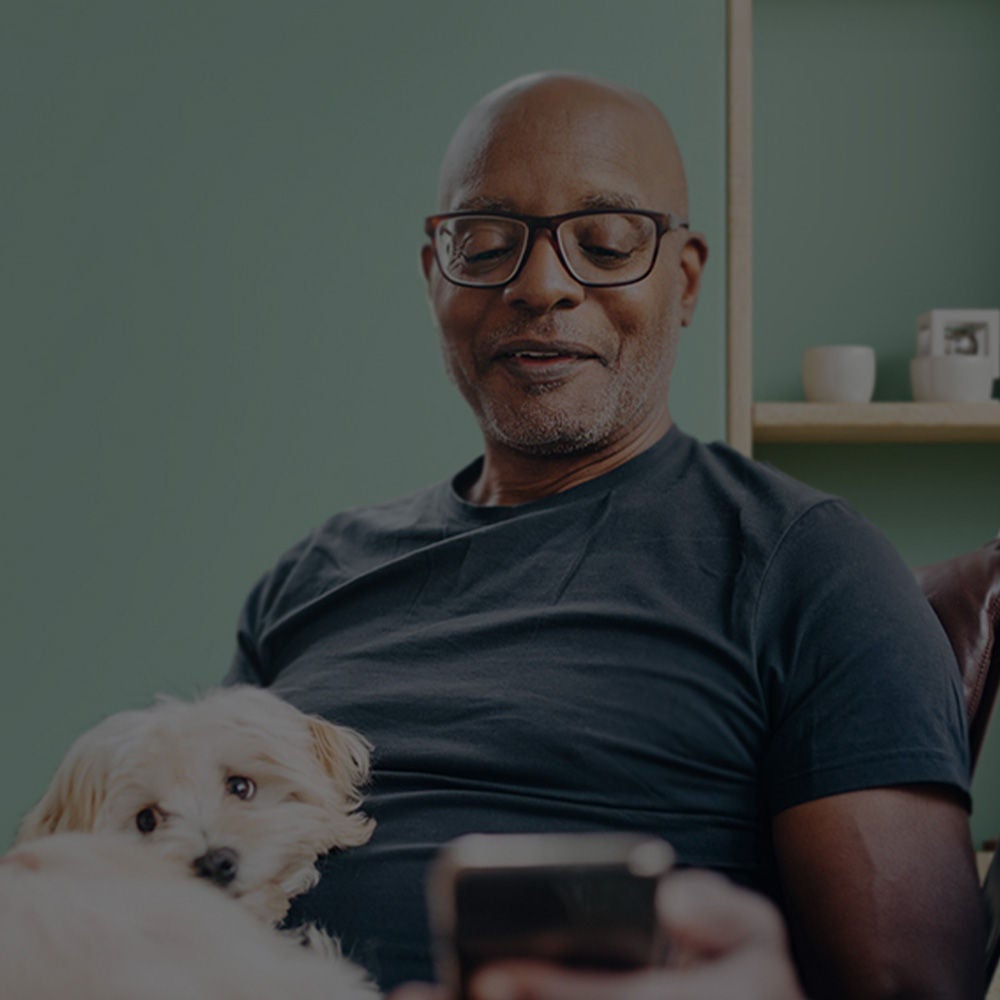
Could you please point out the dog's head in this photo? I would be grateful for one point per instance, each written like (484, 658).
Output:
(240, 786)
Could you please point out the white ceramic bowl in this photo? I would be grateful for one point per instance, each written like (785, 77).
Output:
(951, 378)
(838, 373)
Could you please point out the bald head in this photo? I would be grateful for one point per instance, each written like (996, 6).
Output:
(533, 117)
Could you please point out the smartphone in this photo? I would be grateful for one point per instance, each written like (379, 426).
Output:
(584, 900)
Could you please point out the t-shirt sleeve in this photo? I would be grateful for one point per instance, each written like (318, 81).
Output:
(246, 666)
(859, 678)
(260, 612)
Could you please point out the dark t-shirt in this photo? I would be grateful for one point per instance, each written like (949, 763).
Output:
(684, 646)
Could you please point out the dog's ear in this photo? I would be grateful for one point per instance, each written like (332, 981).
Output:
(344, 754)
(79, 787)
(70, 803)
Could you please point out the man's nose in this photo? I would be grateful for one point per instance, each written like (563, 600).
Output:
(543, 282)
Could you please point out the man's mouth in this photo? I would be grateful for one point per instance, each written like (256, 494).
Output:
(536, 356)
(542, 366)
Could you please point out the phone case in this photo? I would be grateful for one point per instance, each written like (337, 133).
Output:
(586, 900)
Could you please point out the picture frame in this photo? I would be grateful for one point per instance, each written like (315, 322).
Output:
(960, 331)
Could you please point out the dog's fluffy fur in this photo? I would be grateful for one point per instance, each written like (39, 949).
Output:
(177, 763)
(99, 917)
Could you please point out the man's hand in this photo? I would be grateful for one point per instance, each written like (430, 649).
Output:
(726, 942)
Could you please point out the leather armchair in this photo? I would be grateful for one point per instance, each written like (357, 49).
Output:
(964, 592)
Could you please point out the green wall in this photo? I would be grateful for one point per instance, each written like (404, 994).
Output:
(876, 198)
(214, 327)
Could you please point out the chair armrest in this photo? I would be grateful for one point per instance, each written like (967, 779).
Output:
(964, 592)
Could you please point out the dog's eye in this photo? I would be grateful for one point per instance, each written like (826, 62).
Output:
(147, 819)
(242, 788)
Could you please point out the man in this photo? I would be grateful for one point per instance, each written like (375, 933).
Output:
(603, 624)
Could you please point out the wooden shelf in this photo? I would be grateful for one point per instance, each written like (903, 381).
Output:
(875, 422)
(749, 423)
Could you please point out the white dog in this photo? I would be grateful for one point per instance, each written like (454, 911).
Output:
(99, 917)
(239, 788)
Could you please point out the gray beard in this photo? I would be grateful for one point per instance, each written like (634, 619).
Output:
(547, 433)
(557, 431)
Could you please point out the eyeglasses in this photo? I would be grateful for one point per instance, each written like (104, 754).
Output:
(600, 248)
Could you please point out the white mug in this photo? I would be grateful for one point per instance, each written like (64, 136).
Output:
(839, 373)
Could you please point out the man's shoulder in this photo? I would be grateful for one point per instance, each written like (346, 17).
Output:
(347, 542)
(753, 480)
(402, 513)
(718, 478)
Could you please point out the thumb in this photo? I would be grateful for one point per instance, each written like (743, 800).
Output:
(706, 916)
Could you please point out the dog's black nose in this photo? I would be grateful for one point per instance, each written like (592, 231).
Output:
(217, 865)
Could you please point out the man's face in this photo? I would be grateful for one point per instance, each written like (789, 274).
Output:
(549, 366)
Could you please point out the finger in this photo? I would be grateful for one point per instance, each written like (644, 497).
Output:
(418, 991)
(705, 914)
(753, 975)
(544, 981)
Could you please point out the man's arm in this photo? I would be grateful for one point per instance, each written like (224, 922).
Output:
(882, 894)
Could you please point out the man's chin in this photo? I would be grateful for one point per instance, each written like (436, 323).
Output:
(552, 440)
(556, 449)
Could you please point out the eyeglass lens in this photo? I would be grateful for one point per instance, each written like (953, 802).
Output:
(606, 248)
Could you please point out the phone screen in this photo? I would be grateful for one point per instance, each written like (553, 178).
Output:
(584, 900)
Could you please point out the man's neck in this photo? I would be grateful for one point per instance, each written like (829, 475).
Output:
(510, 477)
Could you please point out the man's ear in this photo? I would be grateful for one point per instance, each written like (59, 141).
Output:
(694, 254)
(427, 260)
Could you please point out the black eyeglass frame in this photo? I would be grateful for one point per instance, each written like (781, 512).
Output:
(666, 222)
